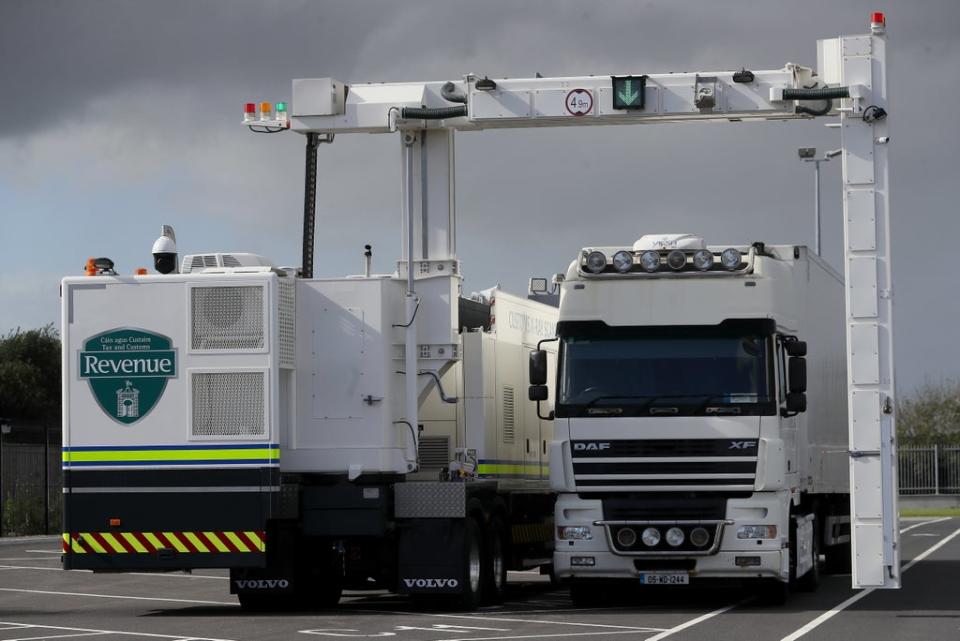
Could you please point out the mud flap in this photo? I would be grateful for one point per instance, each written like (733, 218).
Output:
(430, 556)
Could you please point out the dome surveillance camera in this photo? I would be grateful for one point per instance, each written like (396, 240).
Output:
(165, 251)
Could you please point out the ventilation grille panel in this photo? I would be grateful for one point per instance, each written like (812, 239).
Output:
(227, 318)
(509, 415)
(228, 403)
(287, 320)
(434, 451)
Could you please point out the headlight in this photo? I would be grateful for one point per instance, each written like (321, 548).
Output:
(674, 536)
(650, 261)
(699, 536)
(626, 537)
(623, 261)
(651, 537)
(730, 259)
(677, 260)
(596, 262)
(703, 259)
(574, 533)
(757, 532)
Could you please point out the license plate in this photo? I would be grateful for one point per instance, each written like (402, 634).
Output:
(665, 578)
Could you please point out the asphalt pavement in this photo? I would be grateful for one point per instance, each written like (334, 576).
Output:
(39, 601)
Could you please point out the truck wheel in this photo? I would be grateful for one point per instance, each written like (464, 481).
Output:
(495, 562)
(330, 581)
(472, 573)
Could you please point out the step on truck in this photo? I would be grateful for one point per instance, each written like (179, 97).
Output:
(231, 414)
(700, 418)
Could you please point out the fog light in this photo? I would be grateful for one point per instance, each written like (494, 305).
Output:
(699, 536)
(651, 537)
(757, 532)
(677, 260)
(730, 258)
(675, 536)
(582, 561)
(596, 262)
(623, 261)
(626, 537)
(703, 260)
(574, 533)
(650, 261)
(747, 561)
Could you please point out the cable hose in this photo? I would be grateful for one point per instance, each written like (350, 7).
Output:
(432, 113)
(825, 93)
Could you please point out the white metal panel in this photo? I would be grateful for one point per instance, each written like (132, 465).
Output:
(864, 437)
(864, 354)
(863, 281)
(861, 221)
(868, 561)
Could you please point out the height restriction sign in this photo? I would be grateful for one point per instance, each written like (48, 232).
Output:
(628, 91)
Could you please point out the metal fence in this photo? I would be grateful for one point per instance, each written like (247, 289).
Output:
(30, 489)
(929, 470)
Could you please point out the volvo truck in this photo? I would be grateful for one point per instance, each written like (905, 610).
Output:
(233, 414)
(699, 414)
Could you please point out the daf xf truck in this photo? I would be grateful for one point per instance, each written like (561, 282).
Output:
(700, 417)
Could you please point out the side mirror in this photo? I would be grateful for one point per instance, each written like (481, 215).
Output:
(538, 368)
(538, 392)
(798, 375)
(796, 402)
(795, 348)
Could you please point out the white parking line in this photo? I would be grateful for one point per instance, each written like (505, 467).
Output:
(916, 525)
(93, 631)
(119, 596)
(151, 574)
(829, 614)
(58, 636)
(693, 622)
(483, 617)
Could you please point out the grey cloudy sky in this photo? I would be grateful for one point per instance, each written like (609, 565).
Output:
(120, 116)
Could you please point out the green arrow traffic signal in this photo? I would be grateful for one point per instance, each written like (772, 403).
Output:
(628, 91)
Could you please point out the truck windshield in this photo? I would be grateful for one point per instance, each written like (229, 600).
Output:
(690, 370)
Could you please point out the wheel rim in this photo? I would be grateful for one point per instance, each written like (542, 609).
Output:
(473, 566)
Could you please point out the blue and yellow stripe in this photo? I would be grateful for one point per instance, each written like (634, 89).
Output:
(172, 455)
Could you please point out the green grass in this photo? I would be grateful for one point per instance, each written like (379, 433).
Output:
(934, 511)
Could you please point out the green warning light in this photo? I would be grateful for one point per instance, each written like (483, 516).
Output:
(628, 91)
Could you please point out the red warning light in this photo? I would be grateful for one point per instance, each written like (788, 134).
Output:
(878, 18)
(250, 108)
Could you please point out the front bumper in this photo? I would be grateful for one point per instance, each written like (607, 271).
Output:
(768, 558)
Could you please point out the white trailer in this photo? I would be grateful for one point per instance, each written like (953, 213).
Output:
(689, 444)
(241, 417)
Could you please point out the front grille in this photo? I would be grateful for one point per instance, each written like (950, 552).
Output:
(665, 464)
(670, 507)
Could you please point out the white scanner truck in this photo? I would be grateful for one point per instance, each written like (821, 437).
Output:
(690, 443)
(235, 415)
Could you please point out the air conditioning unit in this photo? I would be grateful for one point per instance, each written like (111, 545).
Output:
(195, 263)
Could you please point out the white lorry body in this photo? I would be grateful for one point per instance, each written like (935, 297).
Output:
(244, 418)
(680, 427)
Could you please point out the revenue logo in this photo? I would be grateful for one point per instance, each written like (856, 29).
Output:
(127, 370)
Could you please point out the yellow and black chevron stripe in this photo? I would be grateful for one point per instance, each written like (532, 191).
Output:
(150, 542)
(531, 532)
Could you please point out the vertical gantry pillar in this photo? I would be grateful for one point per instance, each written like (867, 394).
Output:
(861, 61)
(428, 262)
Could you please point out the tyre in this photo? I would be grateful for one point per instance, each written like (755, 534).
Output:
(495, 562)
(472, 594)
